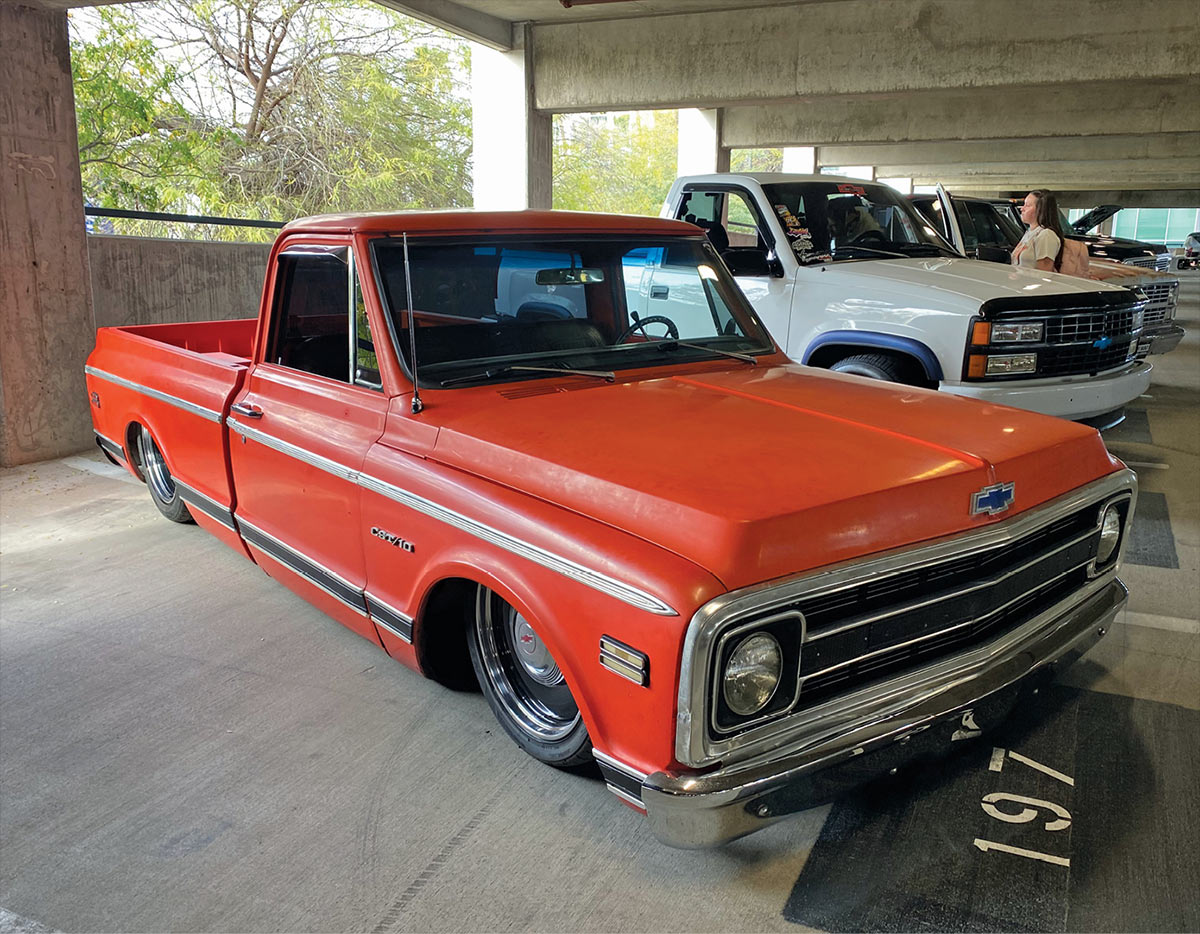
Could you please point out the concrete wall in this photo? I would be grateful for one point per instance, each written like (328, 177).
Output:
(45, 311)
(139, 280)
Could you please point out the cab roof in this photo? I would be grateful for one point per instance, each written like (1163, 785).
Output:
(458, 222)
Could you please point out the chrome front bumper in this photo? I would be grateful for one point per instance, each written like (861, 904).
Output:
(1160, 340)
(698, 810)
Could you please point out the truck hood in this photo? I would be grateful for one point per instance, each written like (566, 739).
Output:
(960, 283)
(754, 473)
(1095, 217)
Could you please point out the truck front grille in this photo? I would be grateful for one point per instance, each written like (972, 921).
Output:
(1161, 262)
(1163, 296)
(884, 627)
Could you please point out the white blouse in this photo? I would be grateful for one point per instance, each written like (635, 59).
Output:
(1038, 243)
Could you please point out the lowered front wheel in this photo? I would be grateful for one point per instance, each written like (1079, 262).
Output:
(524, 685)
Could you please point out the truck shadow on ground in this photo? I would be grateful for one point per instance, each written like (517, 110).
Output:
(1079, 813)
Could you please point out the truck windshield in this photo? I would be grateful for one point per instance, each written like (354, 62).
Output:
(836, 220)
(489, 309)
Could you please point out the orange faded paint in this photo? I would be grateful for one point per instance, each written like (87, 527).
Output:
(682, 481)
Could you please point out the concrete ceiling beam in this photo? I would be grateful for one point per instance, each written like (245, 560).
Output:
(1061, 149)
(719, 58)
(1098, 109)
(475, 25)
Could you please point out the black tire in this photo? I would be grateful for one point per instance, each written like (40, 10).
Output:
(1181, 264)
(160, 483)
(875, 366)
(524, 686)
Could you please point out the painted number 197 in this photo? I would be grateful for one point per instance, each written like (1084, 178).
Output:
(1027, 809)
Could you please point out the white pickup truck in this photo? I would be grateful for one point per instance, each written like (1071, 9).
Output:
(847, 275)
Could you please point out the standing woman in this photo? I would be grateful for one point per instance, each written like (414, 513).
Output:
(1042, 245)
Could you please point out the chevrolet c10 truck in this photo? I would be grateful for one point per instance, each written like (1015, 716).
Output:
(732, 582)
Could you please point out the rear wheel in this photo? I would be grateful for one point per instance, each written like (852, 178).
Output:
(159, 481)
(524, 685)
(877, 366)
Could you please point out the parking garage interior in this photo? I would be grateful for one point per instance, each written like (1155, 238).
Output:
(186, 745)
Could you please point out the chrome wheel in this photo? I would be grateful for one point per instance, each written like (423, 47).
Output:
(522, 677)
(158, 477)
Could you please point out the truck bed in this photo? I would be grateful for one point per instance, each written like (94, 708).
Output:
(177, 380)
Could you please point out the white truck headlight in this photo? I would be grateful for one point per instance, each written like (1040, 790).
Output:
(752, 674)
(1019, 331)
(1110, 535)
(1004, 364)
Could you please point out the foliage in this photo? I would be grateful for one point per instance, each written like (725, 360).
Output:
(756, 160)
(137, 146)
(272, 109)
(614, 162)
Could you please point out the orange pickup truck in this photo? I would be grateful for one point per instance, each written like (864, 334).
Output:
(559, 456)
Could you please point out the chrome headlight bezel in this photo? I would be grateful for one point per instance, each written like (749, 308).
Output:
(1018, 332)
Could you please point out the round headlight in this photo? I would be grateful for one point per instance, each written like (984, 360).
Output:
(1110, 534)
(752, 674)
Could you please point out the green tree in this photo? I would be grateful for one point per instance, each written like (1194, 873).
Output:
(614, 162)
(290, 108)
(138, 147)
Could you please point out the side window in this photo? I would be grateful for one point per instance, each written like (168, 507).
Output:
(741, 224)
(987, 226)
(970, 237)
(311, 329)
(366, 364)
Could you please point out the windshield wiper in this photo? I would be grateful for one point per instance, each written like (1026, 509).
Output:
(505, 370)
(923, 249)
(669, 344)
(851, 248)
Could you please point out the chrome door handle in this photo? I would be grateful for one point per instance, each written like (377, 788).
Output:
(250, 411)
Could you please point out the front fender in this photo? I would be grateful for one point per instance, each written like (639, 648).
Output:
(874, 340)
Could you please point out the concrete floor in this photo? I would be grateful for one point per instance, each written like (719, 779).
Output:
(186, 746)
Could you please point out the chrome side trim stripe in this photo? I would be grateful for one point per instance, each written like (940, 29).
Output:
(206, 504)
(565, 566)
(292, 450)
(389, 618)
(568, 568)
(110, 446)
(314, 573)
(192, 407)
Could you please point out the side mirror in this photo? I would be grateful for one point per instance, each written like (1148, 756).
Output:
(993, 254)
(752, 262)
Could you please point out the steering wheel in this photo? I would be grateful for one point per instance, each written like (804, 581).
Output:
(640, 325)
(875, 235)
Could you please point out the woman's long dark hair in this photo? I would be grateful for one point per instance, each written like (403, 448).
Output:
(1046, 215)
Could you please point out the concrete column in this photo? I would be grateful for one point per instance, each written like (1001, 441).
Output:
(800, 160)
(699, 149)
(511, 163)
(46, 325)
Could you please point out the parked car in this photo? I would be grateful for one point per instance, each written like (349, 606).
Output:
(977, 228)
(1191, 252)
(848, 276)
(734, 583)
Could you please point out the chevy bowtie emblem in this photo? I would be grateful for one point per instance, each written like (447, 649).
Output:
(992, 499)
(1103, 343)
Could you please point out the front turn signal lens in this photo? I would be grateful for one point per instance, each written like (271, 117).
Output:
(981, 333)
(977, 366)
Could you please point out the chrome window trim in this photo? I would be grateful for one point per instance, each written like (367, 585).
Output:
(692, 745)
(206, 504)
(192, 407)
(547, 559)
(305, 560)
(110, 445)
